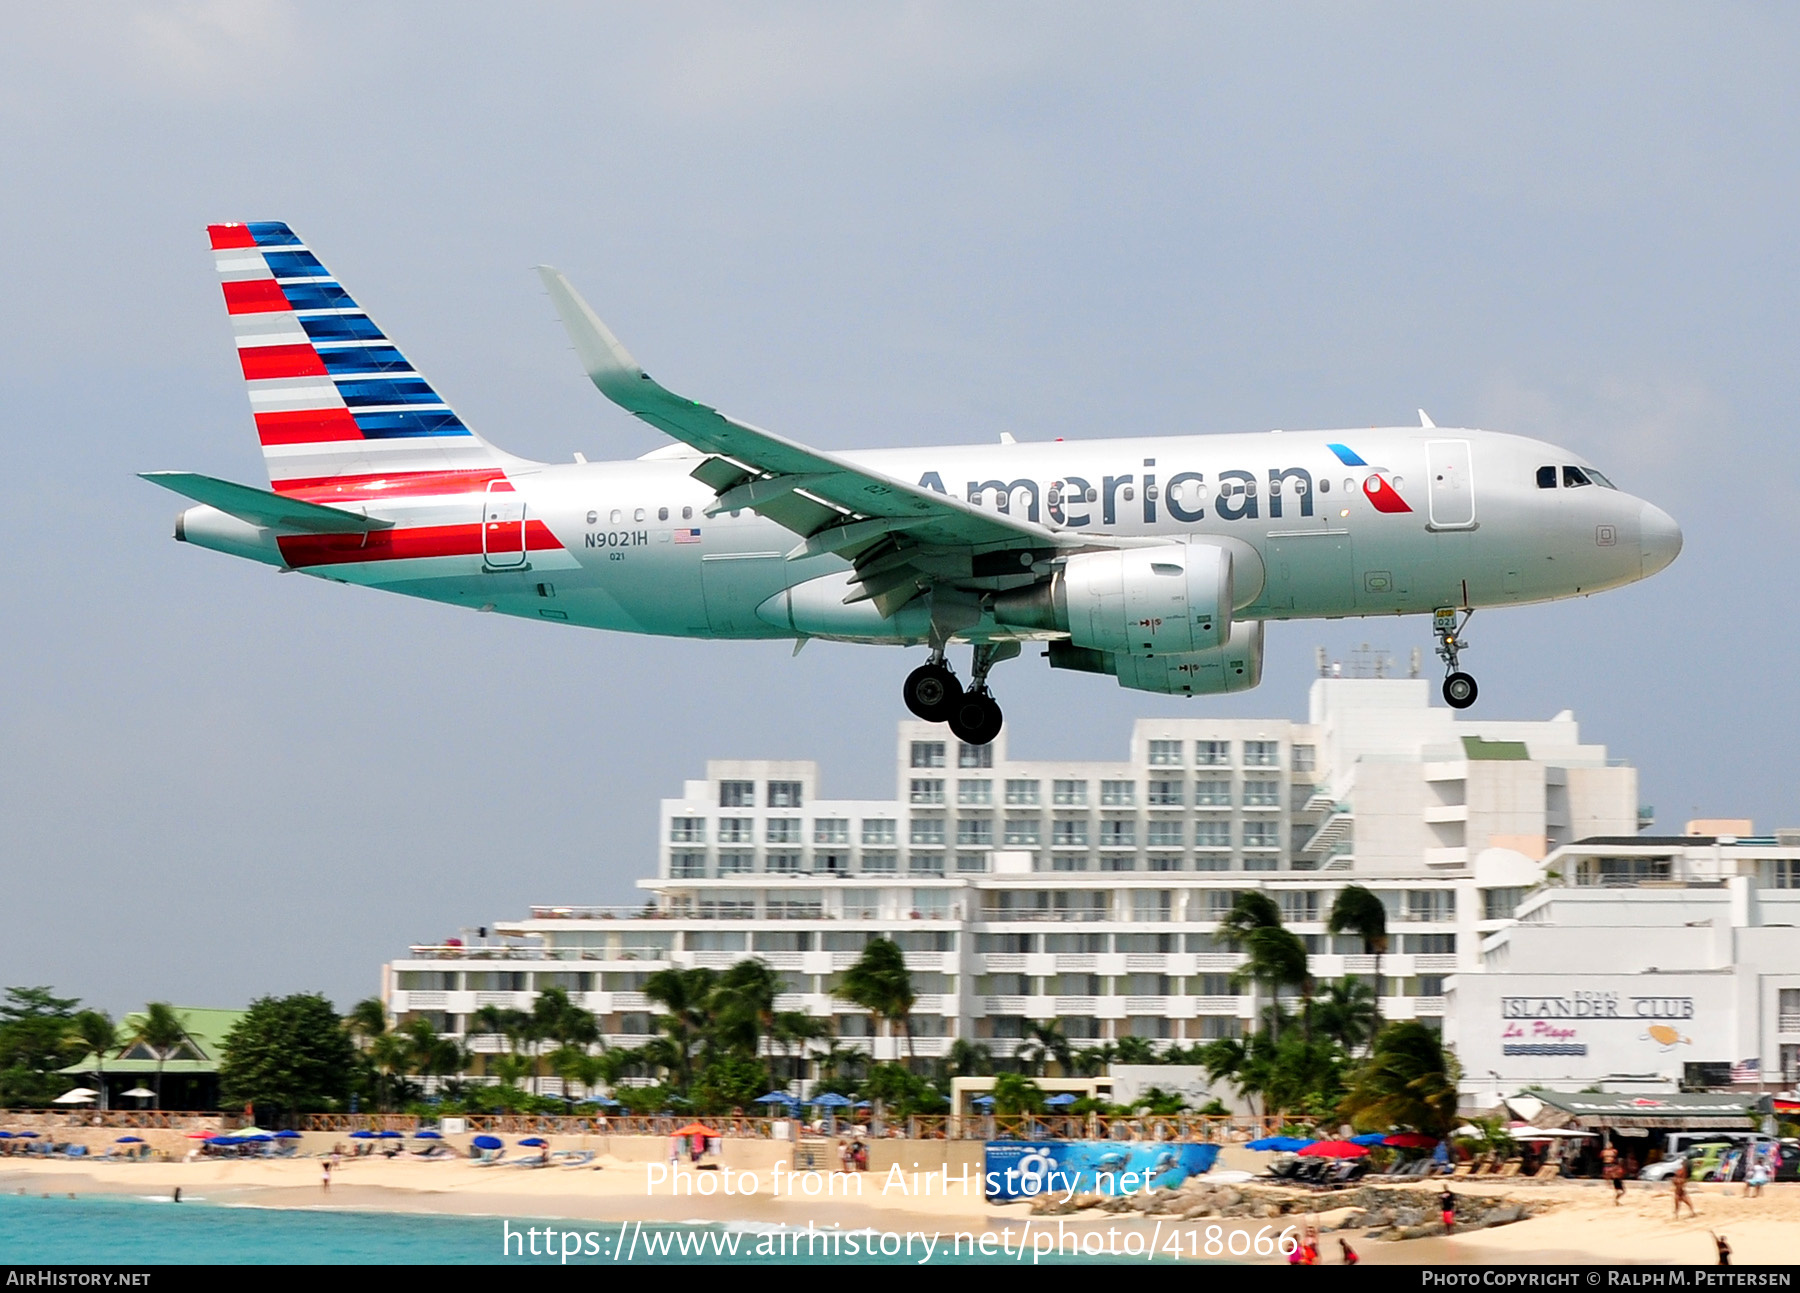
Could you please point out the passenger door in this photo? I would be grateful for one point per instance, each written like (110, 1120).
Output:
(1452, 485)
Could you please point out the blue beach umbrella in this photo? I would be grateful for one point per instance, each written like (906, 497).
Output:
(1265, 1143)
(26, 1135)
(1369, 1138)
(6, 1135)
(981, 1099)
(832, 1100)
(129, 1140)
(389, 1135)
(428, 1135)
(534, 1141)
(488, 1142)
(287, 1135)
(362, 1135)
(1064, 1098)
(776, 1097)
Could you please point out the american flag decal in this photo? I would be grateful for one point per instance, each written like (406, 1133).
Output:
(687, 536)
(1747, 1070)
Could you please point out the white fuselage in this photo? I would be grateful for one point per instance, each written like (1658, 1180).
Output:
(1428, 518)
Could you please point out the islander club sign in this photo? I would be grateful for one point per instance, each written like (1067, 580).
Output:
(1546, 1025)
(1596, 1005)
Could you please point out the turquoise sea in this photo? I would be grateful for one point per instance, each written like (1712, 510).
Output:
(122, 1230)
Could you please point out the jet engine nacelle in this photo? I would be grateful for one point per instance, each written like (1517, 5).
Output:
(1235, 666)
(1164, 600)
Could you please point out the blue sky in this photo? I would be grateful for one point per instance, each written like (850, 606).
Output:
(858, 226)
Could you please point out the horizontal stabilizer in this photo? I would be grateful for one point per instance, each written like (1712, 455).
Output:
(264, 508)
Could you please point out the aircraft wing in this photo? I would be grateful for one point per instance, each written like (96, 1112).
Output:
(872, 519)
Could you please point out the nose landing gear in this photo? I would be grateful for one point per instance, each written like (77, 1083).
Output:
(1447, 625)
(933, 693)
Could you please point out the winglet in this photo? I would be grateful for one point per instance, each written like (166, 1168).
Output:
(1426, 422)
(608, 363)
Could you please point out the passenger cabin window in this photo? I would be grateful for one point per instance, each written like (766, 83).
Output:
(1546, 478)
(1573, 477)
(662, 513)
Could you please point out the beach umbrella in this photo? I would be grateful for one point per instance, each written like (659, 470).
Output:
(776, 1097)
(389, 1135)
(261, 1137)
(488, 1142)
(6, 1135)
(1281, 1144)
(1369, 1138)
(289, 1134)
(608, 1101)
(1334, 1149)
(428, 1135)
(80, 1095)
(26, 1135)
(1410, 1140)
(362, 1135)
(534, 1141)
(139, 1093)
(981, 1099)
(832, 1100)
(1064, 1098)
(695, 1129)
(129, 1140)
(251, 1130)
(201, 1135)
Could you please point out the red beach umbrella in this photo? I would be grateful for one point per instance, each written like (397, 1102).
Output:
(1411, 1140)
(1334, 1149)
(695, 1129)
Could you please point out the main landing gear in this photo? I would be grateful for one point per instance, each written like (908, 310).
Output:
(933, 693)
(1448, 625)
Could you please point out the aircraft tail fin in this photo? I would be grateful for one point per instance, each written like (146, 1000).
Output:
(334, 399)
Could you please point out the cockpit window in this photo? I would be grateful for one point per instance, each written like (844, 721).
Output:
(1598, 479)
(1546, 478)
(1573, 476)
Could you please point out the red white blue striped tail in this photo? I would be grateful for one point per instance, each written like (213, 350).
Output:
(341, 414)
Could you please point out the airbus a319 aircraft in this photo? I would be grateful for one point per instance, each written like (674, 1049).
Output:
(1157, 560)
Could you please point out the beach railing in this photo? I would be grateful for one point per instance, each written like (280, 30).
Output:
(140, 1119)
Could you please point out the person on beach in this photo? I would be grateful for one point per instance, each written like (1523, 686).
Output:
(1350, 1257)
(1680, 1180)
(1724, 1249)
(325, 1181)
(1757, 1178)
(1614, 1171)
(1447, 1207)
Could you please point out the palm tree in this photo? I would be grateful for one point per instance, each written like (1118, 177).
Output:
(1134, 1050)
(743, 1005)
(555, 1018)
(160, 1029)
(1348, 1013)
(1091, 1061)
(389, 1055)
(1405, 1083)
(684, 994)
(1046, 1042)
(969, 1059)
(1277, 957)
(1251, 911)
(1358, 911)
(367, 1019)
(95, 1030)
(574, 1064)
(792, 1028)
(880, 983)
(1016, 1093)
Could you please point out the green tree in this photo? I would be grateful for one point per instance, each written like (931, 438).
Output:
(729, 1081)
(1406, 1082)
(1014, 1093)
(35, 1042)
(1046, 1043)
(96, 1031)
(684, 996)
(1358, 911)
(1134, 1050)
(1347, 1014)
(161, 1029)
(969, 1059)
(794, 1029)
(880, 983)
(289, 1054)
(742, 1007)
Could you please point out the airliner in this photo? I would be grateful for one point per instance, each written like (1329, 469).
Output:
(1157, 560)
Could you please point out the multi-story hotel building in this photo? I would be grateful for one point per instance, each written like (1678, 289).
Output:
(1084, 892)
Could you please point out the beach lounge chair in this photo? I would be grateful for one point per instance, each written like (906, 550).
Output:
(575, 1157)
(491, 1158)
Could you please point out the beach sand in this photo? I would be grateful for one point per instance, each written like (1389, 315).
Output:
(1583, 1225)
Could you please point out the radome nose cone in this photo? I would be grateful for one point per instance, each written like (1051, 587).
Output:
(1660, 538)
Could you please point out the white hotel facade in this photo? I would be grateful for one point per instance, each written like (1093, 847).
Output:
(1085, 892)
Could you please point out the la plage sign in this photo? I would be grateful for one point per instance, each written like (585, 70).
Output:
(1596, 1005)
